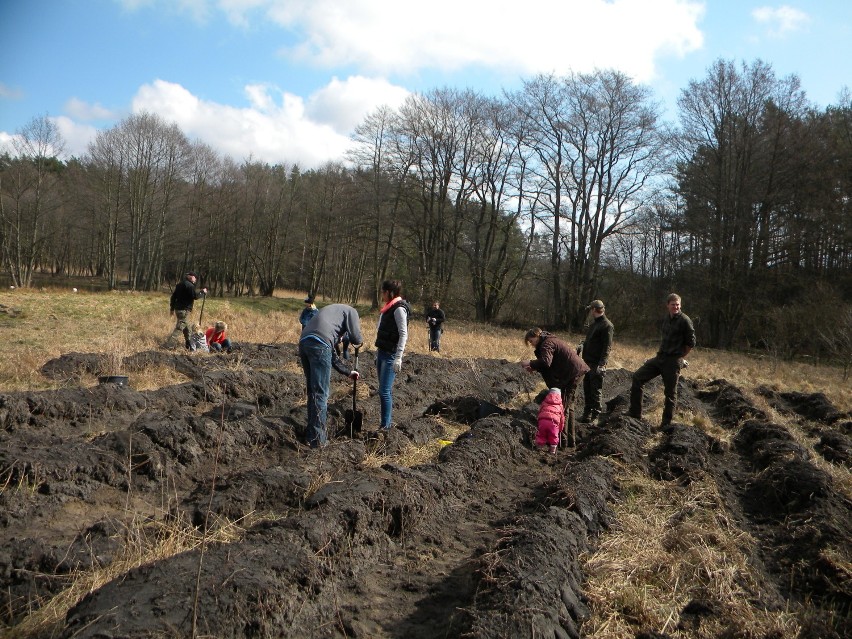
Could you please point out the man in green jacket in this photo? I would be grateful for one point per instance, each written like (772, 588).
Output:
(678, 339)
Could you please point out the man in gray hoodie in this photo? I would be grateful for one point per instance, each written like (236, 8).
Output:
(316, 350)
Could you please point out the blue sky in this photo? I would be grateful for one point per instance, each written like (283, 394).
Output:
(288, 80)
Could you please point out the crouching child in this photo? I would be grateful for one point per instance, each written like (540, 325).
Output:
(197, 340)
(551, 420)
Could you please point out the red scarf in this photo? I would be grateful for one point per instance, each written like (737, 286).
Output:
(389, 304)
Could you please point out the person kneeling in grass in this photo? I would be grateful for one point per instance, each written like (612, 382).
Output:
(217, 338)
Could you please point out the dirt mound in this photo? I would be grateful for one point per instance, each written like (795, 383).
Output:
(487, 541)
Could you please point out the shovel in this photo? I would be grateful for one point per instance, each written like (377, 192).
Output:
(354, 419)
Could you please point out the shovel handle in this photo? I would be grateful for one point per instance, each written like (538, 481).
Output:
(355, 381)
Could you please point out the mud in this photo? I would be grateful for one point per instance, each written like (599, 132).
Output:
(486, 542)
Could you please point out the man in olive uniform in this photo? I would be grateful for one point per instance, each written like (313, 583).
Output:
(678, 339)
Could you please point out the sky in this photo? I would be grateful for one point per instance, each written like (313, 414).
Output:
(287, 81)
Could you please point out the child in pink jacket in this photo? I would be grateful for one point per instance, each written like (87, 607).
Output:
(551, 420)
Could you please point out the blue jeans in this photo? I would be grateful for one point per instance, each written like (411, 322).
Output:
(316, 362)
(386, 375)
(225, 345)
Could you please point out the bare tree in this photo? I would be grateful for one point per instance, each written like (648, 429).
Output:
(29, 194)
(543, 107)
(615, 152)
(383, 167)
(495, 245)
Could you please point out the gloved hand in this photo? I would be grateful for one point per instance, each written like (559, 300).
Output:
(683, 363)
(355, 375)
(397, 364)
(600, 370)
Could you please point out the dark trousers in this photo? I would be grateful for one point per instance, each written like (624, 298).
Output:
(569, 395)
(435, 338)
(669, 368)
(593, 391)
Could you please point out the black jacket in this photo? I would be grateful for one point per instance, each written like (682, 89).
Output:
(387, 335)
(598, 342)
(183, 296)
(438, 315)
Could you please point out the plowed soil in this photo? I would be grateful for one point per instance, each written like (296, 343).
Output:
(486, 542)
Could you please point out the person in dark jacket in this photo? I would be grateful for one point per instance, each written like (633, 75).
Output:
(316, 351)
(308, 312)
(595, 351)
(561, 368)
(180, 305)
(391, 337)
(435, 319)
(678, 339)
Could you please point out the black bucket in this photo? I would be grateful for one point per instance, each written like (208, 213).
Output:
(118, 380)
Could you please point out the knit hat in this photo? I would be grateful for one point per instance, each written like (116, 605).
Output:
(221, 326)
(192, 274)
(595, 304)
(309, 299)
(557, 391)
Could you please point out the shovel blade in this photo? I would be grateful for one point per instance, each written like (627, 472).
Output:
(354, 420)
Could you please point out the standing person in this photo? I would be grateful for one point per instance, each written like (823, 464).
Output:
(316, 350)
(551, 420)
(180, 305)
(678, 339)
(308, 312)
(435, 319)
(561, 368)
(391, 336)
(595, 352)
(217, 337)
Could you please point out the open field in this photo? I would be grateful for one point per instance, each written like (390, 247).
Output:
(187, 505)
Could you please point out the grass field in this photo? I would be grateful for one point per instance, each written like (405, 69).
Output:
(670, 540)
(39, 325)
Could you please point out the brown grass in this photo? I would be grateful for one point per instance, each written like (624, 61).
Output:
(145, 541)
(672, 544)
(56, 321)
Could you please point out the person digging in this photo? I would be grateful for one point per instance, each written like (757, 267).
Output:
(561, 368)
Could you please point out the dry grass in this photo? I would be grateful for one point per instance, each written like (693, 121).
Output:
(674, 545)
(56, 321)
(145, 541)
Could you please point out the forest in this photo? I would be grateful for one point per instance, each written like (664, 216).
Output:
(517, 209)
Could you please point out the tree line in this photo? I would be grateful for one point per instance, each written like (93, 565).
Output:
(519, 208)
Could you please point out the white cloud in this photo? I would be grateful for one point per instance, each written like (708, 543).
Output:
(7, 143)
(780, 21)
(389, 36)
(81, 110)
(277, 126)
(343, 105)
(76, 136)
(10, 93)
